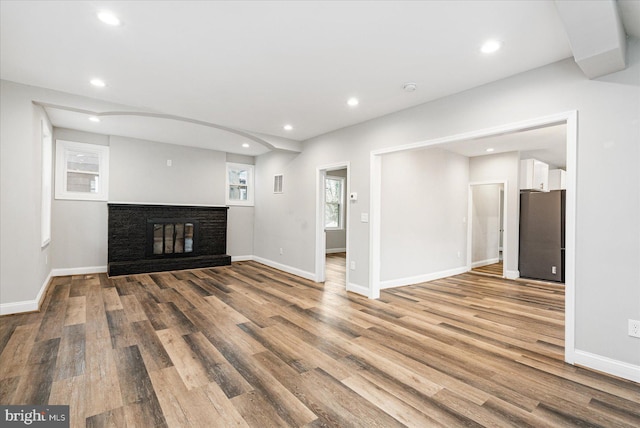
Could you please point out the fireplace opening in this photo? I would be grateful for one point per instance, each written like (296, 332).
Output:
(171, 237)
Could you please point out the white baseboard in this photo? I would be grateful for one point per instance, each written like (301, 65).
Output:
(335, 250)
(78, 271)
(512, 274)
(27, 305)
(422, 278)
(358, 289)
(241, 258)
(607, 365)
(285, 268)
(485, 262)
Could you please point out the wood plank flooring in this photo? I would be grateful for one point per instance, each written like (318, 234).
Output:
(247, 345)
(495, 269)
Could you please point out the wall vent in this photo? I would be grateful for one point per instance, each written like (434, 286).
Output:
(277, 183)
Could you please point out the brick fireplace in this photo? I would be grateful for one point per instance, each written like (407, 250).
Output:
(154, 238)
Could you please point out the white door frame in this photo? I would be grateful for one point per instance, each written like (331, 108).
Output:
(570, 118)
(505, 245)
(321, 237)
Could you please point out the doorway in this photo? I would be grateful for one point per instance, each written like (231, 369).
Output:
(486, 235)
(332, 224)
(570, 119)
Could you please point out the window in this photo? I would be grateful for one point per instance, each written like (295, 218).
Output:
(82, 171)
(334, 203)
(239, 184)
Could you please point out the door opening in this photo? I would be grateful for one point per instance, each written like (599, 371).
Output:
(332, 225)
(486, 235)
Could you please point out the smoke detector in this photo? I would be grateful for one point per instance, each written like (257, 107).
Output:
(409, 87)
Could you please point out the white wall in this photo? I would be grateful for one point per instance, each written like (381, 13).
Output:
(284, 220)
(608, 184)
(79, 228)
(24, 265)
(424, 203)
(138, 172)
(485, 220)
(503, 167)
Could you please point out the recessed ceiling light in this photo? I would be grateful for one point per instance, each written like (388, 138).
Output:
(352, 102)
(246, 145)
(490, 46)
(490, 149)
(98, 83)
(94, 119)
(409, 87)
(108, 18)
(288, 127)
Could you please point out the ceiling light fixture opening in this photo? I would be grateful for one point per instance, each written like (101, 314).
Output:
(246, 145)
(490, 149)
(94, 119)
(352, 102)
(98, 83)
(109, 18)
(491, 46)
(288, 127)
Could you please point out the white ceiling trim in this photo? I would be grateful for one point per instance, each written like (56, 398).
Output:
(277, 144)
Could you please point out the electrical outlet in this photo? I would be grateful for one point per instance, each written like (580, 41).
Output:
(281, 252)
(553, 270)
(634, 328)
(353, 265)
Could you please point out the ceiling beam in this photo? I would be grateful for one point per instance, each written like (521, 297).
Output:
(596, 35)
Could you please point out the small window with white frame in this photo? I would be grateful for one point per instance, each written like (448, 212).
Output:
(239, 184)
(334, 203)
(82, 171)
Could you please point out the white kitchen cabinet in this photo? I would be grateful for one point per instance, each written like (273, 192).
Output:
(534, 175)
(557, 179)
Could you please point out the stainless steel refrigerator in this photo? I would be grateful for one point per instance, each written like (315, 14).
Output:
(542, 235)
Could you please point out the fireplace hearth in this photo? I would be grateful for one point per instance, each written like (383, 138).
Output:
(154, 238)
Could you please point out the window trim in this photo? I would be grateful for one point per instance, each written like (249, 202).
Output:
(250, 184)
(61, 192)
(341, 204)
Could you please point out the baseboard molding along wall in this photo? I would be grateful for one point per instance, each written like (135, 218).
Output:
(335, 250)
(421, 278)
(285, 268)
(358, 289)
(512, 274)
(607, 365)
(34, 305)
(241, 258)
(484, 262)
(27, 305)
(78, 271)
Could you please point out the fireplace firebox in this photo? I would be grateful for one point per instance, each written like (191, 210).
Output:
(171, 237)
(154, 238)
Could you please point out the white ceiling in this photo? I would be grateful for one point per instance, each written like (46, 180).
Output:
(547, 144)
(256, 65)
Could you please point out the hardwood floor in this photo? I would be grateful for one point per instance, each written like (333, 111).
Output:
(248, 345)
(495, 269)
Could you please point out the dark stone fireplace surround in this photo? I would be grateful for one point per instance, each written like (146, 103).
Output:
(131, 233)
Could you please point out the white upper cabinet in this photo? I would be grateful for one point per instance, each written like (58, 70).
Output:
(534, 175)
(557, 179)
